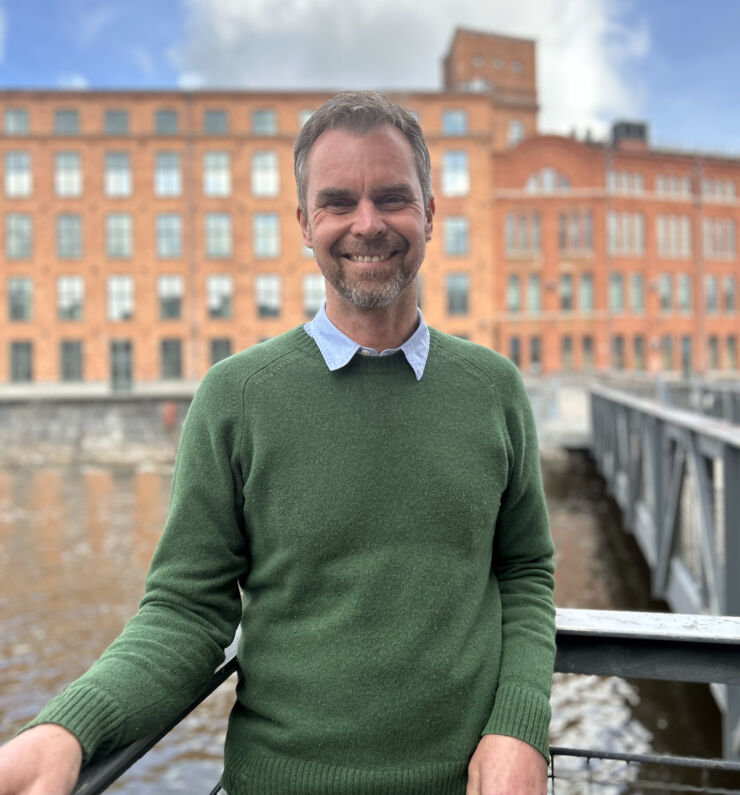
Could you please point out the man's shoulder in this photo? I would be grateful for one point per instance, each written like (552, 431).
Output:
(477, 359)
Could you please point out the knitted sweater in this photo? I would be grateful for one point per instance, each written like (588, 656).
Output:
(392, 539)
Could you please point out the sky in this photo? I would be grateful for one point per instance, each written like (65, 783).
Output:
(672, 63)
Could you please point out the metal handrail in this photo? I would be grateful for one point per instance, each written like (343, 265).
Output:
(664, 646)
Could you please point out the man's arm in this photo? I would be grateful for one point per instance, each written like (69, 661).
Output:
(512, 754)
(168, 651)
(45, 759)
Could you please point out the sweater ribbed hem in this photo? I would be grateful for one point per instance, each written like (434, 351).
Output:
(522, 713)
(90, 715)
(279, 776)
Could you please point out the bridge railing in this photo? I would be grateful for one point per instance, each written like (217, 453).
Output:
(605, 643)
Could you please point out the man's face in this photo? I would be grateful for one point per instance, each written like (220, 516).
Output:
(365, 217)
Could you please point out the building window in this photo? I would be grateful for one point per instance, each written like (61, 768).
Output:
(15, 121)
(121, 364)
(455, 122)
(304, 115)
(513, 294)
(732, 353)
(67, 174)
(166, 122)
(218, 235)
(70, 360)
(666, 346)
(215, 122)
(18, 174)
(566, 352)
(522, 234)
(314, 293)
(264, 122)
(115, 122)
(216, 174)
(120, 298)
(219, 292)
(118, 235)
(626, 183)
(665, 292)
(266, 228)
(21, 362)
(713, 352)
(718, 190)
(547, 180)
(686, 355)
(515, 350)
(638, 352)
(637, 293)
(515, 132)
(711, 294)
(677, 187)
(66, 121)
(69, 236)
(167, 179)
(535, 354)
(265, 174)
(684, 292)
(20, 298)
(458, 287)
(455, 175)
(586, 296)
(456, 236)
(220, 349)
(18, 236)
(626, 234)
(170, 357)
(674, 236)
(719, 238)
(117, 174)
(566, 292)
(267, 295)
(575, 232)
(587, 351)
(616, 292)
(618, 352)
(730, 293)
(70, 297)
(534, 293)
(169, 235)
(170, 292)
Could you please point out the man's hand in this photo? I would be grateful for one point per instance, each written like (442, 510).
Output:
(506, 766)
(44, 760)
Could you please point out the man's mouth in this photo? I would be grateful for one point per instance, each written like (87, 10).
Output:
(369, 258)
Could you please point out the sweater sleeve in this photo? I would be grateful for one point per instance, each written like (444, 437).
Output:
(523, 567)
(167, 652)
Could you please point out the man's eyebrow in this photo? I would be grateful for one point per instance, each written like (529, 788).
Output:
(330, 194)
(399, 187)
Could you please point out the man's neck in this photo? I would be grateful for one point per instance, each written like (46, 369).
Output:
(380, 329)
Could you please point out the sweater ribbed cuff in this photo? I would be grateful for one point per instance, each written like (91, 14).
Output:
(522, 713)
(90, 715)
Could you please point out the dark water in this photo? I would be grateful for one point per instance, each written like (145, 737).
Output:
(75, 544)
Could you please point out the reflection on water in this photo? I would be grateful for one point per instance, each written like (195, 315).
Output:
(75, 545)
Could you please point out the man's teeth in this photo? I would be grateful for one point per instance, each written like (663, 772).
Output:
(356, 258)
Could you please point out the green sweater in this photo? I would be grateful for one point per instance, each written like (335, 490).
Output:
(392, 538)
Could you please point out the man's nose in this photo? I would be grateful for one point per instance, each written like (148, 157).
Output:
(368, 221)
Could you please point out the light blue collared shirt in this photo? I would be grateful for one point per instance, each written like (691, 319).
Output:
(337, 348)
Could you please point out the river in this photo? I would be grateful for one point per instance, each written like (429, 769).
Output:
(75, 544)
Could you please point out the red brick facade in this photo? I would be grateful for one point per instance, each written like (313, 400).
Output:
(560, 253)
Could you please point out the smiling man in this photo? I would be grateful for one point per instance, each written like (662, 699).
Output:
(374, 487)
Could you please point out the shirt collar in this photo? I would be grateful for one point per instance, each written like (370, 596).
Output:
(337, 348)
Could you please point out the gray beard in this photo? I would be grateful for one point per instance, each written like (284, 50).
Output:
(371, 294)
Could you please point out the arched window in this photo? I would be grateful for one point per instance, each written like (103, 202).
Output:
(547, 180)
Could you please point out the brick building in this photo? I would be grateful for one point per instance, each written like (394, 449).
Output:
(145, 235)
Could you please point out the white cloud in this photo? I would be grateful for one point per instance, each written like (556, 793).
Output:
(586, 50)
(73, 82)
(89, 23)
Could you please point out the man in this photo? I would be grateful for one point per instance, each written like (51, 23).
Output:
(374, 487)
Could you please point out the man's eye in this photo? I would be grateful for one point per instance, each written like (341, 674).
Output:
(390, 201)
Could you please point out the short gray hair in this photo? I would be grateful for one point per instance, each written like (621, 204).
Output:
(360, 112)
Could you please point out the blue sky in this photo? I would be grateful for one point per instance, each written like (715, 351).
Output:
(674, 63)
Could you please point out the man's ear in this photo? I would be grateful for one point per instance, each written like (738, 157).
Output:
(305, 229)
(429, 224)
